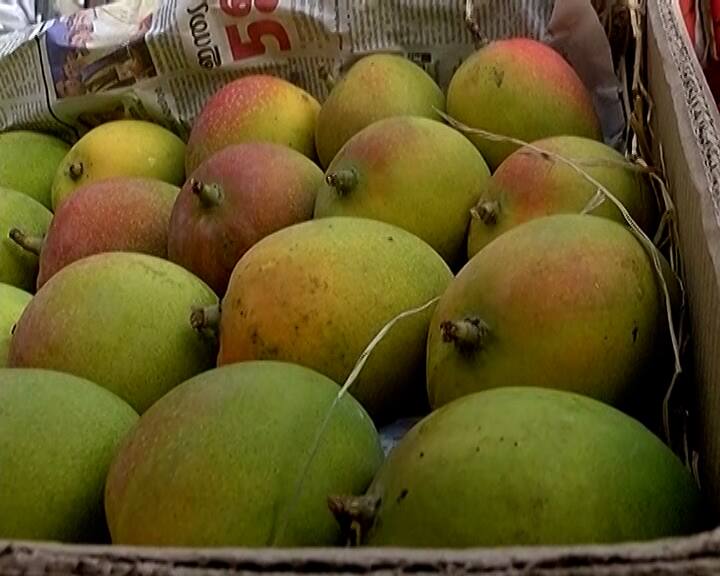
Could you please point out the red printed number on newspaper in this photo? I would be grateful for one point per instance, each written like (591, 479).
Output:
(256, 31)
(241, 29)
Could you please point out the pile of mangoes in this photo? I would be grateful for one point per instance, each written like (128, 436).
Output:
(202, 339)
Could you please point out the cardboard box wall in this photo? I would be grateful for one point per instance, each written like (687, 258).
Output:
(685, 123)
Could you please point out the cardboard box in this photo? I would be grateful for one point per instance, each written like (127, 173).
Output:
(685, 124)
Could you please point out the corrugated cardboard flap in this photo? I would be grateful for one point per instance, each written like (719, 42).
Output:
(697, 555)
(686, 125)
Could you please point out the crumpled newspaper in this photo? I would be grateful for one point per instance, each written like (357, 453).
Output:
(571, 26)
(583, 41)
(19, 14)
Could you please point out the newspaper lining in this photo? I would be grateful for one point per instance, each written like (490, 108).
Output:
(162, 59)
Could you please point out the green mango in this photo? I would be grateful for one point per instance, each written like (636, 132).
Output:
(12, 303)
(120, 319)
(375, 87)
(58, 436)
(19, 267)
(225, 460)
(526, 467)
(28, 162)
(413, 172)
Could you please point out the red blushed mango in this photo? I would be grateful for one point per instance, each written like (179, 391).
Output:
(520, 88)
(234, 199)
(117, 214)
(565, 301)
(258, 108)
(413, 172)
(530, 184)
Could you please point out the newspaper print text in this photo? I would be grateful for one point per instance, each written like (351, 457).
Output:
(208, 54)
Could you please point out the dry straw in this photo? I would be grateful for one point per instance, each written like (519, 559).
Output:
(278, 531)
(600, 196)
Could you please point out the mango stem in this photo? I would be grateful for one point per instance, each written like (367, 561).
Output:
(206, 320)
(355, 515)
(468, 335)
(487, 212)
(344, 181)
(32, 244)
(327, 78)
(76, 170)
(210, 195)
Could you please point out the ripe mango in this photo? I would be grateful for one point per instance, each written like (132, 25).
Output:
(28, 162)
(254, 108)
(528, 467)
(131, 148)
(119, 319)
(225, 460)
(318, 292)
(235, 198)
(19, 267)
(565, 301)
(520, 88)
(415, 173)
(12, 303)
(530, 185)
(375, 87)
(58, 436)
(111, 215)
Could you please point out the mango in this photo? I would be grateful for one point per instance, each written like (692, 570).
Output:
(523, 89)
(527, 467)
(19, 267)
(229, 458)
(58, 436)
(415, 173)
(119, 319)
(375, 87)
(112, 215)
(318, 292)
(12, 303)
(566, 301)
(28, 162)
(235, 198)
(254, 108)
(529, 184)
(130, 148)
